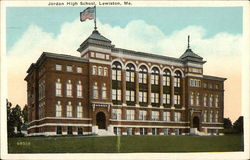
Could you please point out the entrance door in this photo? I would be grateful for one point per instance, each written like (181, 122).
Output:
(196, 123)
(101, 120)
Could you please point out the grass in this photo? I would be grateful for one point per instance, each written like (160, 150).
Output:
(126, 144)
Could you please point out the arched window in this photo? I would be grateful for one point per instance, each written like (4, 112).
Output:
(205, 100)
(79, 110)
(211, 116)
(192, 99)
(58, 109)
(130, 73)
(166, 77)
(217, 116)
(95, 91)
(69, 109)
(58, 88)
(79, 89)
(205, 116)
(104, 91)
(69, 89)
(211, 101)
(197, 99)
(155, 76)
(116, 71)
(105, 71)
(177, 79)
(216, 100)
(143, 74)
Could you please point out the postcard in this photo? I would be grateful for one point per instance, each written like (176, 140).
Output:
(124, 80)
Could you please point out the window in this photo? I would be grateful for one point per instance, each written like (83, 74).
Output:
(116, 94)
(205, 100)
(69, 110)
(116, 114)
(155, 115)
(154, 131)
(130, 73)
(116, 71)
(58, 88)
(197, 99)
(130, 114)
(165, 130)
(58, 129)
(143, 131)
(79, 110)
(79, 89)
(204, 85)
(216, 86)
(143, 96)
(100, 71)
(105, 71)
(143, 72)
(79, 69)
(155, 76)
(166, 116)
(177, 116)
(155, 97)
(95, 91)
(69, 89)
(69, 69)
(130, 95)
(216, 101)
(177, 79)
(205, 116)
(177, 99)
(210, 86)
(166, 77)
(195, 83)
(142, 115)
(192, 99)
(58, 67)
(104, 91)
(69, 130)
(117, 131)
(216, 116)
(79, 131)
(129, 131)
(94, 70)
(211, 116)
(58, 109)
(211, 100)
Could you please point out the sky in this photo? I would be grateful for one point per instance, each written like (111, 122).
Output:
(216, 35)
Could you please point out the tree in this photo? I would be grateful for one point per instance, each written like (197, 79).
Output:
(10, 120)
(16, 114)
(238, 125)
(14, 119)
(25, 114)
(227, 123)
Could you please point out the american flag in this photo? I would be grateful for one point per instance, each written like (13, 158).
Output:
(88, 13)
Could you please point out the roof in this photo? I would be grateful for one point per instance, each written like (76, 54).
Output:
(97, 36)
(55, 56)
(190, 53)
(214, 78)
(143, 54)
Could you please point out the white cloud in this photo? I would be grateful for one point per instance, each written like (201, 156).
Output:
(221, 51)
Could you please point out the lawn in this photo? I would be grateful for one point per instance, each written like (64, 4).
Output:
(126, 144)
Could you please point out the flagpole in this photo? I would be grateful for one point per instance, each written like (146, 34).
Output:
(95, 18)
